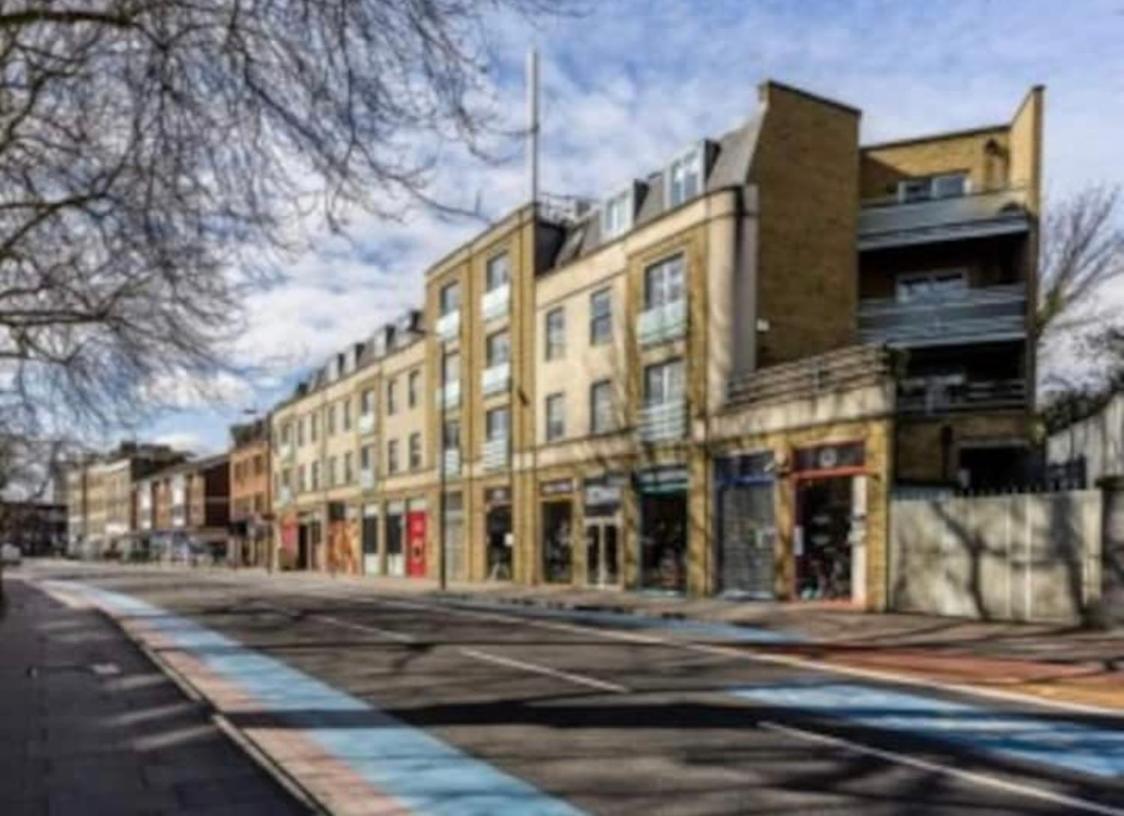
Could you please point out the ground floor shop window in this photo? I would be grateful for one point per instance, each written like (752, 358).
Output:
(395, 544)
(497, 533)
(823, 539)
(746, 527)
(557, 541)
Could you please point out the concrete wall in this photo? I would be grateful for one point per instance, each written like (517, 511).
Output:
(1099, 438)
(1030, 557)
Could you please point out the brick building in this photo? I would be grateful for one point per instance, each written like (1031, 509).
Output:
(251, 511)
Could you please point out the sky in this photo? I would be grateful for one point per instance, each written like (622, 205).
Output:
(627, 85)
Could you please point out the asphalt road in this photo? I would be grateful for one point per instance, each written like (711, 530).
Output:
(619, 721)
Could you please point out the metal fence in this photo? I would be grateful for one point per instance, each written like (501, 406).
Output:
(1029, 556)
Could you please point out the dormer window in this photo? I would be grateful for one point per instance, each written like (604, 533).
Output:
(946, 185)
(684, 177)
(616, 214)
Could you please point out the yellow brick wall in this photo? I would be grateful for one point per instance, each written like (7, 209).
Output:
(919, 456)
(884, 166)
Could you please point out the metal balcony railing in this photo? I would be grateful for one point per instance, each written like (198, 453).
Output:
(937, 397)
(496, 379)
(662, 323)
(991, 313)
(495, 303)
(365, 424)
(891, 223)
(497, 453)
(448, 325)
(662, 422)
(834, 371)
(449, 395)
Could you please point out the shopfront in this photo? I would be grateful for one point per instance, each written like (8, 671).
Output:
(662, 503)
(369, 535)
(309, 537)
(557, 515)
(601, 502)
(498, 539)
(396, 538)
(453, 537)
(829, 539)
(415, 538)
(746, 553)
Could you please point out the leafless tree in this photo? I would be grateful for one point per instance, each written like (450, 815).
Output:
(157, 155)
(1082, 250)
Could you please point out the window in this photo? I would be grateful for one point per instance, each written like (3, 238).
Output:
(497, 349)
(449, 299)
(555, 333)
(348, 468)
(286, 433)
(929, 286)
(684, 177)
(367, 457)
(392, 456)
(601, 407)
(600, 317)
(345, 413)
(367, 401)
(616, 215)
(300, 432)
(302, 482)
(330, 419)
(330, 475)
(946, 185)
(259, 464)
(415, 451)
(451, 435)
(663, 383)
(451, 368)
(391, 397)
(413, 383)
(314, 475)
(663, 283)
(497, 272)
(555, 417)
(497, 423)
(313, 426)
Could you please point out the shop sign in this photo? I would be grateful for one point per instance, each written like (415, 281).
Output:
(604, 490)
(830, 457)
(370, 511)
(746, 469)
(497, 495)
(662, 480)
(556, 487)
(396, 508)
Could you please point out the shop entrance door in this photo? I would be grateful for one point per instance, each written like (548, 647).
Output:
(663, 541)
(602, 553)
(556, 543)
(497, 528)
(415, 544)
(395, 544)
(823, 538)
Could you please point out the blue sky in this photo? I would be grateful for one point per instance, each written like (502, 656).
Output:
(630, 83)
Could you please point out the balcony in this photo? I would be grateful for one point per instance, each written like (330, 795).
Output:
(451, 461)
(497, 453)
(946, 395)
(989, 314)
(496, 379)
(365, 424)
(665, 421)
(893, 224)
(495, 303)
(288, 452)
(367, 479)
(448, 325)
(662, 323)
(449, 395)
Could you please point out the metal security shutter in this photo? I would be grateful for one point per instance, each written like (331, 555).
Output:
(748, 540)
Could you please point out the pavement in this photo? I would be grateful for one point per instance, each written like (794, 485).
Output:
(386, 699)
(89, 726)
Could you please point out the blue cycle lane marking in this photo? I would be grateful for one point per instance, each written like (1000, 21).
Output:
(1073, 746)
(415, 768)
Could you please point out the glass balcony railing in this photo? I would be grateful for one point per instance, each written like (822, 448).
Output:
(987, 314)
(451, 461)
(891, 223)
(449, 395)
(448, 325)
(495, 303)
(662, 422)
(496, 379)
(940, 396)
(365, 424)
(367, 479)
(662, 323)
(497, 453)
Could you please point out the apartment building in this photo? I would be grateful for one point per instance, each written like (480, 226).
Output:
(101, 511)
(185, 507)
(710, 381)
(250, 494)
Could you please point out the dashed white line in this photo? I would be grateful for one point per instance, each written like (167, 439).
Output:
(535, 668)
(974, 777)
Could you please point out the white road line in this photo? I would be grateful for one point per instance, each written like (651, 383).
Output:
(974, 777)
(580, 679)
(334, 621)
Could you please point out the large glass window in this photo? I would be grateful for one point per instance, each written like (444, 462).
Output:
(555, 417)
(663, 382)
(663, 282)
(452, 435)
(555, 333)
(600, 317)
(449, 299)
(497, 349)
(684, 177)
(415, 451)
(497, 422)
(616, 215)
(601, 418)
(497, 272)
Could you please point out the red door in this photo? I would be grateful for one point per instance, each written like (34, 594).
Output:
(415, 544)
